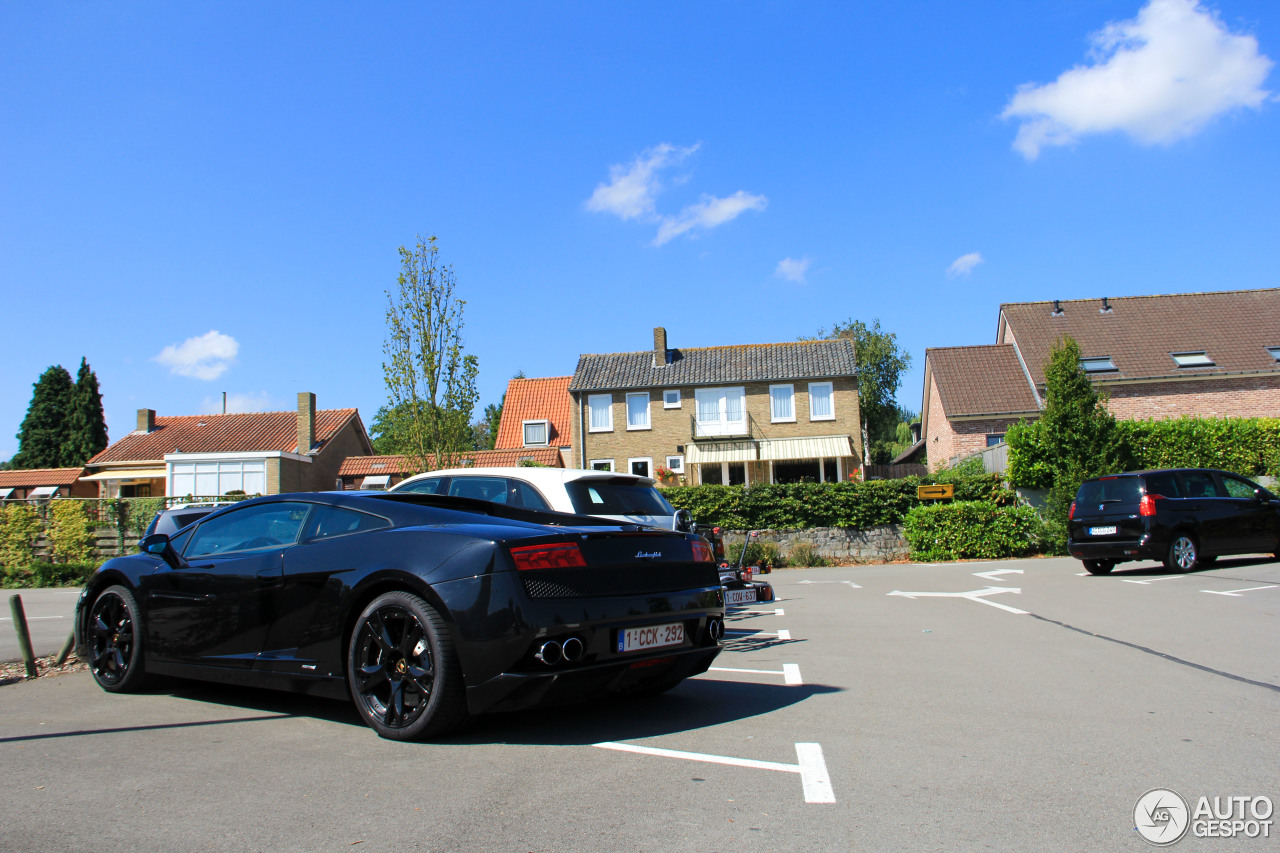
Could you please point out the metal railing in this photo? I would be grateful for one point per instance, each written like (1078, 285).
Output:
(698, 433)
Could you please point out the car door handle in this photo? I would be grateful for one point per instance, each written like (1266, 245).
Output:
(270, 576)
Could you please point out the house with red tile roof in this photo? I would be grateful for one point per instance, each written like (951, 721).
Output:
(207, 455)
(537, 413)
(44, 484)
(1189, 354)
(383, 472)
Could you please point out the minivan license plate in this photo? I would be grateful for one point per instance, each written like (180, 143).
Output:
(739, 596)
(1102, 531)
(651, 637)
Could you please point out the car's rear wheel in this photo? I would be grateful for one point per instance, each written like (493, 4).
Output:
(1184, 554)
(403, 669)
(115, 641)
(1099, 567)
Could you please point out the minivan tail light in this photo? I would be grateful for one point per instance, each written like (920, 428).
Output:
(702, 552)
(1071, 513)
(1147, 506)
(560, 556)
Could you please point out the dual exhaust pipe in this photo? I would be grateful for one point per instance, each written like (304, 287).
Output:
(715, 628)
(553, 652)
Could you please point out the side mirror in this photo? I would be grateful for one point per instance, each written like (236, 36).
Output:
(158, 545)
(1261, 495)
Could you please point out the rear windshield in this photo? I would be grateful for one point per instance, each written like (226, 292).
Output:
(616, 497)
(1119, 490)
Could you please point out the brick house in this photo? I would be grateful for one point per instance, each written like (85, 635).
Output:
(383, 472)
(44, 484)
(537, 413)
(206, 455)
(731, 414)
(1200, 354)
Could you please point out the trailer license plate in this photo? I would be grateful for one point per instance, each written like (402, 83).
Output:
(739, 596)
(1102, 531)
(652, 637)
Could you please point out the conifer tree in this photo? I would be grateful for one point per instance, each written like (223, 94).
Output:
(87, 425)
(43, 434)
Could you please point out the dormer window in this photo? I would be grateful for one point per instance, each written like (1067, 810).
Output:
(1274, 352)
(535, 433)
(1102, 364)
(1192, 359)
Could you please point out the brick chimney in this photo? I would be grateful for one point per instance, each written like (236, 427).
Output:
(659, 346)
(146, 420)
(306, 421)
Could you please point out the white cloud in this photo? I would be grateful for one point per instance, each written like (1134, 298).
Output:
(205, 357)
(1158, 77)
(964, 265)
(791, 269)
(707, 214)
(633, 188)
(253, 401)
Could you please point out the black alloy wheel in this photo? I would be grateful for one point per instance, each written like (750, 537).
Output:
(115, 641)
(1184, 554)
(403, 670)
(1099, 567)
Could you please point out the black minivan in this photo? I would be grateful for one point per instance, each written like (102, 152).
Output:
(1185, 517)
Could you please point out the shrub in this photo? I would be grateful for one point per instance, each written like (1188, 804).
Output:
(971, 530)
(141, 511)
(19, 527)
(70, 536)
(758, 553)
(804, 554)
(44, 574)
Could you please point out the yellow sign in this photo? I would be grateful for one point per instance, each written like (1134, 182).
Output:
(944, 490)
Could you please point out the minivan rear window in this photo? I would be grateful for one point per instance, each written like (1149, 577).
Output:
(616, 497)
(1126, 490)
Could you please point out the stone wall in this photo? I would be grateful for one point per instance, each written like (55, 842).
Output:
(840, 545)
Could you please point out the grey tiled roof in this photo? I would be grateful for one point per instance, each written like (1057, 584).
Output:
(716, 365)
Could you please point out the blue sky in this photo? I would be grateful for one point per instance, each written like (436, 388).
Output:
(203, 198)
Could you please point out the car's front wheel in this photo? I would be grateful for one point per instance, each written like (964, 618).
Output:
(403, 670)
(115, 641)
(1184, 554)
(1099, 567)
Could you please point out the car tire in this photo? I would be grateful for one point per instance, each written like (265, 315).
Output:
(403, 670)
(1184, 554)
(1099, 567)
(115, 641)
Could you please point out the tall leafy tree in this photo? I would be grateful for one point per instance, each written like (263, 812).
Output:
(42, 438)
(86, 423)
(431, 381)
(881, 363)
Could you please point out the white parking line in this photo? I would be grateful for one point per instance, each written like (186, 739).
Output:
(790, 672)
(1153, 580)
(777, 611)
(991, 576)
(811, 765)
(1236, 592)
(31, 618)
(783, 634)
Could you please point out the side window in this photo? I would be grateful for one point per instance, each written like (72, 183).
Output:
(523, 494)
(180, 541)
(1238, 488)
(1164, 485)
(271, 525)
(429, 486)
(1200, 484)
(329, 521)
(492, 489)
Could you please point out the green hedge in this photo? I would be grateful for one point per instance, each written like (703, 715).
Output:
(971, 530)
(44, 574)
(801, 506)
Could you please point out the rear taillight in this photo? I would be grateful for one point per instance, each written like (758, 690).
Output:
(1071, 513)
(702, 551)
(564, 556)
(1147, 506)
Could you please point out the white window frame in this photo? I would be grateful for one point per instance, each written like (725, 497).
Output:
(773, 415)
(722, 425)
(831, 396)
(594, 462)
(676, 463)
(648, 422)
(671, 398)
(648, 460)
(1198, 358)
(591, 399)
(1099, 364)
(546, 432)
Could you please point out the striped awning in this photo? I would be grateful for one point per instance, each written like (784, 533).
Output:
(4, 494)
(722, 451)
(375, 481)
(807, 447)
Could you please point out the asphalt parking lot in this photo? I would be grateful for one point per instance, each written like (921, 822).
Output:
(1018, 705)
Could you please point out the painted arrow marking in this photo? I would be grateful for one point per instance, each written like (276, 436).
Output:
(850, 583)
(1236, 592)
(1153, 580)
(991, 576)
(976, 595)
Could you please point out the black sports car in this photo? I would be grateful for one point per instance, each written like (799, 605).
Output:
(423, 609)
